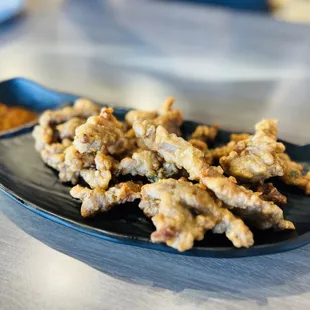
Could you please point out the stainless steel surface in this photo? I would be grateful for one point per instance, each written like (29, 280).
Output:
(222, 67)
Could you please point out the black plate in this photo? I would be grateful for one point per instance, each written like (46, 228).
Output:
(35, 186)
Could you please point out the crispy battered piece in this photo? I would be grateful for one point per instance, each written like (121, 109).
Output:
(78, 161)
(270, 193)
(247, 204)
(180, 152)
(96, 178)
(175, 150)
(105, 162)
(221, 151)
(170, 219)
(205, 133)
(293, 173)
(101, 133)
(99, 200)
(67, 129)
(239, 137)
(42, 136)
(204, 148)
(170, 119)
(177, 226)
(54, 156)
(148, 164)
(254, 160)
(139, 115)
(82, 108)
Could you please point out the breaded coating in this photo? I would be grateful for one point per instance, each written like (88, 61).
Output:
(221, 151)
(180, 152)
(148, 164)
(175, 150)
(202, 146)
(78, 161)
(205, 133)
(293, 173)
(101, 133)
(67, 129)
(106, 162)
(247, 204)
(96, 178)
(42, 136)
(170, 119)
(170, 220)
(254, 160)
(239, 136)
(177, 226)
(271, 193)
(82, 108)
(98, 200)
(54, 156)
(139, 115)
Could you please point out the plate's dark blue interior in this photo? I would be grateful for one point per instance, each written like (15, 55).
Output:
(24, 176)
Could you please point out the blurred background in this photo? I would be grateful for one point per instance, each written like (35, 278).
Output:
(230, 62)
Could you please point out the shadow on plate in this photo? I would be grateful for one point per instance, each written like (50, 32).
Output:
(244, 278)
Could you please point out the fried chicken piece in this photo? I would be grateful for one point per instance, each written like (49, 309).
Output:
(139, 115)
(67, 129)
(42, 137)
(254, 160)
(98, 200)
(236, 137)
(78, 161)
(177, 226)
(293, 173)
(96, 178)
(221, 151)
(181, 153)
(54, 156)
(204, 148)
(101, 133)
(105, 162)
(244, 202)
(170, 119)
(148, 164)
(81, 108)
(205, 133)
(175, 150)
(185, 212)
(270, 193)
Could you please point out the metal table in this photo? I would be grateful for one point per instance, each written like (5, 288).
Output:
(222, 66)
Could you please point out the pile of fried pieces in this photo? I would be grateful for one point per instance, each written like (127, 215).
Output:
(183, 186)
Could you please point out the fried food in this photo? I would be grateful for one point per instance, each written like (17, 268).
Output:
(183, 193)
(98, 200)
(255, 159)
(271, 193)
(180, 201)
(67, 129)
(221, 151)
(181, 153)
(293, 173)
(170, 119)
(42, 136)
(205, 133)
(148, 164)
(263, 214)
(202, 146)
(101, 133)
(82, 108)
(236, 137)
